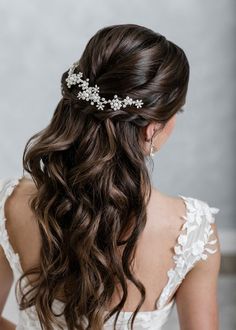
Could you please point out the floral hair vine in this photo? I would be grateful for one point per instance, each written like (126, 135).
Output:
(91, 94)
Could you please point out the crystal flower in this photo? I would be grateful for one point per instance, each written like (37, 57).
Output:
(139, 103)
(116, 104)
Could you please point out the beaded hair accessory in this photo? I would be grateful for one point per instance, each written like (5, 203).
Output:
(91, 94)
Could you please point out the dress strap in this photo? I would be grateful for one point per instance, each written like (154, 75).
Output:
(6, 189)
(194, 243)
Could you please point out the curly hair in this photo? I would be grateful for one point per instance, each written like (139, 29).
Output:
(92, 180)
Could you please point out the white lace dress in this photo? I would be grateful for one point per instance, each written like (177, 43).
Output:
(194, 242)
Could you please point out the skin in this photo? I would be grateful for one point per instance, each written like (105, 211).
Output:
(160, 136)
(196, 297)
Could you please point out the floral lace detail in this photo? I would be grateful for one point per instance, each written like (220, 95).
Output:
(192, 243)
(13, 258)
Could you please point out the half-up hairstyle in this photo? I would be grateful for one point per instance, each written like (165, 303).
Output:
(92, 180)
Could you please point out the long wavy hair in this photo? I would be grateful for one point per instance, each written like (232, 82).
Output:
(92, 179)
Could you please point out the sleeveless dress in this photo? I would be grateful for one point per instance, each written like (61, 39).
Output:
(194, 242)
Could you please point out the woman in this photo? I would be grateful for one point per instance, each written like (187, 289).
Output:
(92, 243)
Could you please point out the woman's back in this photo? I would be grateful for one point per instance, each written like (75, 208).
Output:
(160, 264)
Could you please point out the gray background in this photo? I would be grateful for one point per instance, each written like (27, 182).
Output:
(41, 39)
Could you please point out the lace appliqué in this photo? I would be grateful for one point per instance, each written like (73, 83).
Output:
(11, 256)
(192, 243)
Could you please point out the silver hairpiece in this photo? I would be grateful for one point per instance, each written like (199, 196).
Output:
(92, 93)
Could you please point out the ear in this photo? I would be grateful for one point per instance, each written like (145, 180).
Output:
(151, 130)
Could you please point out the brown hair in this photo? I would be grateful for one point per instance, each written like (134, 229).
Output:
(92, 181)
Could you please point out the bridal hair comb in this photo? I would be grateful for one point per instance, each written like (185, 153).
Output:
(92, 93)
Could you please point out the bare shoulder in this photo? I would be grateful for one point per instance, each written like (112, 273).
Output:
(22, 228)
(169, 209)
(169, 201)
(17, 204)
